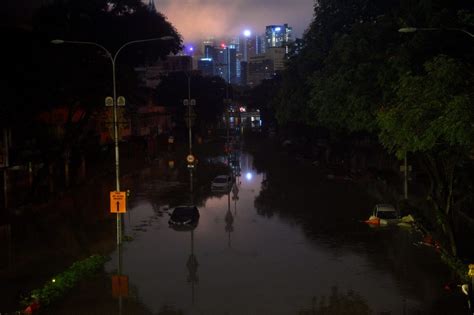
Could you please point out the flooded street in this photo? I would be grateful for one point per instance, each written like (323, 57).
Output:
(287, 241)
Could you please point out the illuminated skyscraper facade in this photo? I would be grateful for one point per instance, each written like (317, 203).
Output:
(226, 63)
(278, 36)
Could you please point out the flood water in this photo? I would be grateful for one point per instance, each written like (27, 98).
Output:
(287, 241)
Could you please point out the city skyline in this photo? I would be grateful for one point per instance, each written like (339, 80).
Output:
(230, 18)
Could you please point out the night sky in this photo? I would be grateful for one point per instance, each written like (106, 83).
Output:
(197, 19)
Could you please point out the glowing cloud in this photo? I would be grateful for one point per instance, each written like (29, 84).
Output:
(199, 19)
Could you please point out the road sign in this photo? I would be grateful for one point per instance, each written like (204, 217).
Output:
(119, 286)
(117, 202)
(121, 101)
(190, 158)
(191, 102)
(471, 270)
(109, 101)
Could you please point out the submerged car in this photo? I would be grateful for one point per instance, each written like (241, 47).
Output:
(222, 183)
(184, 216)
(387, 213)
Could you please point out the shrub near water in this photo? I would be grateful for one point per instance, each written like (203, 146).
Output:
(61, 283)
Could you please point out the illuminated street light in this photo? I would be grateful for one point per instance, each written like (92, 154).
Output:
(113, 60)
(415, 29)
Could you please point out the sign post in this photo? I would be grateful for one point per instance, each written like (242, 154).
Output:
(117, 202)
(119, 286)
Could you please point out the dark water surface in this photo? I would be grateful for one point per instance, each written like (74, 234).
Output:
(290, 242)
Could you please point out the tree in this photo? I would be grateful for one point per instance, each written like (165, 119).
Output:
(347, 91)
(354, 72)
(46, 76)
(315, 77)
(432, 116)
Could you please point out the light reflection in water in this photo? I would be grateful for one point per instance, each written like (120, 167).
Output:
(268, 264)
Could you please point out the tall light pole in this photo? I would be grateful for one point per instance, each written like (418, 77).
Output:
(189, 117)
(113, 59)
(189, 103)
(411, 29)
(228, 103)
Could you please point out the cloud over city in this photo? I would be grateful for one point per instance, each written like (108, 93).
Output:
(197, 19)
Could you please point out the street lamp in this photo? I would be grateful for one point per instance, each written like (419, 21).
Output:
(411, 29)
(113, 59)
(190, 115)
(415, 29)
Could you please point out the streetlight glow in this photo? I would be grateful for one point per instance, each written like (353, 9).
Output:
(411, 29)
(407, 30)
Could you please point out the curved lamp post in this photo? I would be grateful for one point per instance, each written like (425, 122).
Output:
(415, 29)
(113, 59)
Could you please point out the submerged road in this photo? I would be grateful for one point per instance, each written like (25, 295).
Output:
(289, 241)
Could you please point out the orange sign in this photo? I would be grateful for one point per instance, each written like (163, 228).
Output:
(119, 286)
(117, 202)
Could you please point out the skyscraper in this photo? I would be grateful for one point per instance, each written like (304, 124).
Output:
(260, 44)
(206, 66)
(226, 63)
(278, 36)
(151, 6)
(248, 45)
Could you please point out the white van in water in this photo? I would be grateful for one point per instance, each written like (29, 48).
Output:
(387, 213)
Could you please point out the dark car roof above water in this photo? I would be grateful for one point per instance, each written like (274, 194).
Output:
(184, 210)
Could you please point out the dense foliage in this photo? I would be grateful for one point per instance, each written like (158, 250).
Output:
(65, 281)
(354, 72)
(75, 77)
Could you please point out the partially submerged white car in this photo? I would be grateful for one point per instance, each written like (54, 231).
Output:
(386, 213)
(221, 183)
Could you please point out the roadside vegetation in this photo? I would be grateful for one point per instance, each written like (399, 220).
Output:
(356, 77)
(60, 284)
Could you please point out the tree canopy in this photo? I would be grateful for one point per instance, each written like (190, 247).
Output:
(354, 72)
(43, 76)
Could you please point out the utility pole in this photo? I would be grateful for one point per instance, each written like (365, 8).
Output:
(189, 118)
(114, 102)
(5, 163)
(405, 185)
